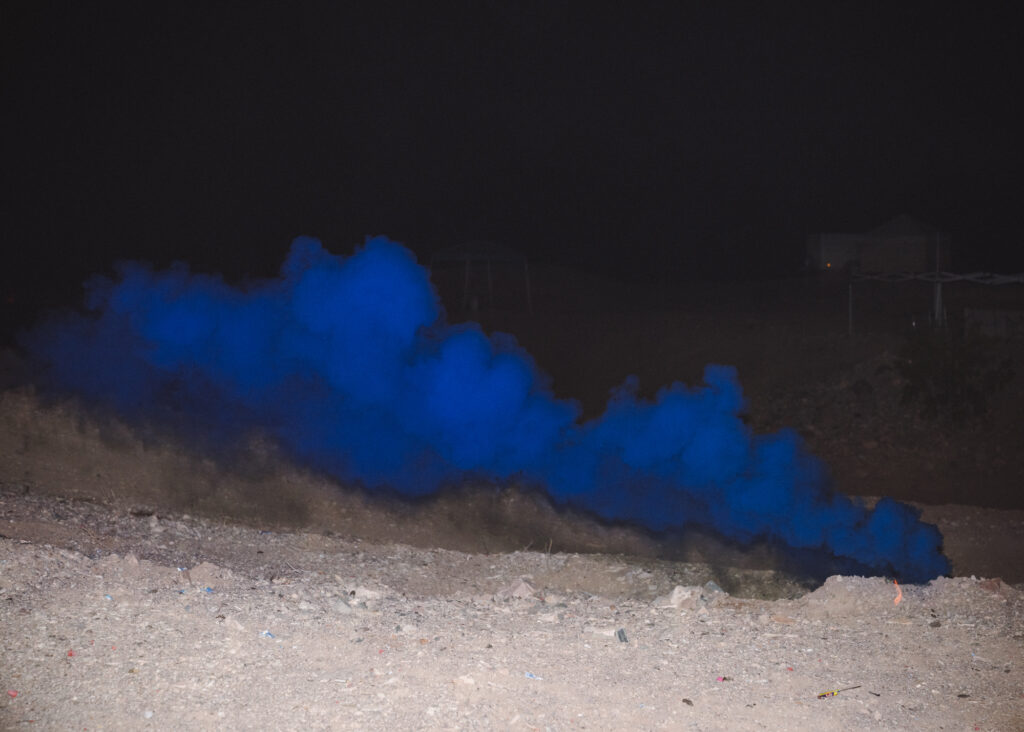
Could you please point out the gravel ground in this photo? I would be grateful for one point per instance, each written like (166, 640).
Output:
(294, 630)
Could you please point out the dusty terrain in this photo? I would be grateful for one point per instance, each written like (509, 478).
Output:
(143, 585)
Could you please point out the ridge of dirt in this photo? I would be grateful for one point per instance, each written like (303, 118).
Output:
(63, 451)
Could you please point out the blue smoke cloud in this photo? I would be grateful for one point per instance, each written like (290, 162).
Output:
(349, 364)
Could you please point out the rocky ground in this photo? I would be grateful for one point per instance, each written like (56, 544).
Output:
(297, 630)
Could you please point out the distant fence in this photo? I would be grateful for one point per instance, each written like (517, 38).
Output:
(995, 323)
(1002, 323)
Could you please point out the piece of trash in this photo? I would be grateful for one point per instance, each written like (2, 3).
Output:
(621, 635)
(899, 593)
(108, 597)
(530, 675)
(148, 714)
(724, 678)
(208, 590)
(688, 702)
(266, 634)
(12, 693)
(70, 653)
(834, 692)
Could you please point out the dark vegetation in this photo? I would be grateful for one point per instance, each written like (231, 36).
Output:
(952, 375)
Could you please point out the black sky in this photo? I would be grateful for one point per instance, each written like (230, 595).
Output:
(688, 140)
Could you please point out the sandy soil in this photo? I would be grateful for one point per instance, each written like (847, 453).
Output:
(143, 587)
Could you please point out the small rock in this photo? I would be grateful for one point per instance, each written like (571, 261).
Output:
(711, 593)
(365, 595)
(520, 590)
(681, 598)
(712, 588)
(340, 606)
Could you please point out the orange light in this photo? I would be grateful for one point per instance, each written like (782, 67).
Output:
(899, 593)
(828, 265)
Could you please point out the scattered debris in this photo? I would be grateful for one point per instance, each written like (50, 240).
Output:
(834, 692)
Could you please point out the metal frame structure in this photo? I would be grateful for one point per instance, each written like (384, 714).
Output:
(938, 279)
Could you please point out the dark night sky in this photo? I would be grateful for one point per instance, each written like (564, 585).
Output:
(697, 141)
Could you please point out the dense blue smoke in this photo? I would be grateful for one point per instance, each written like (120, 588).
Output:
(349, 364)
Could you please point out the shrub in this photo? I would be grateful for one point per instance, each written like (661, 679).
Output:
(952, 375)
